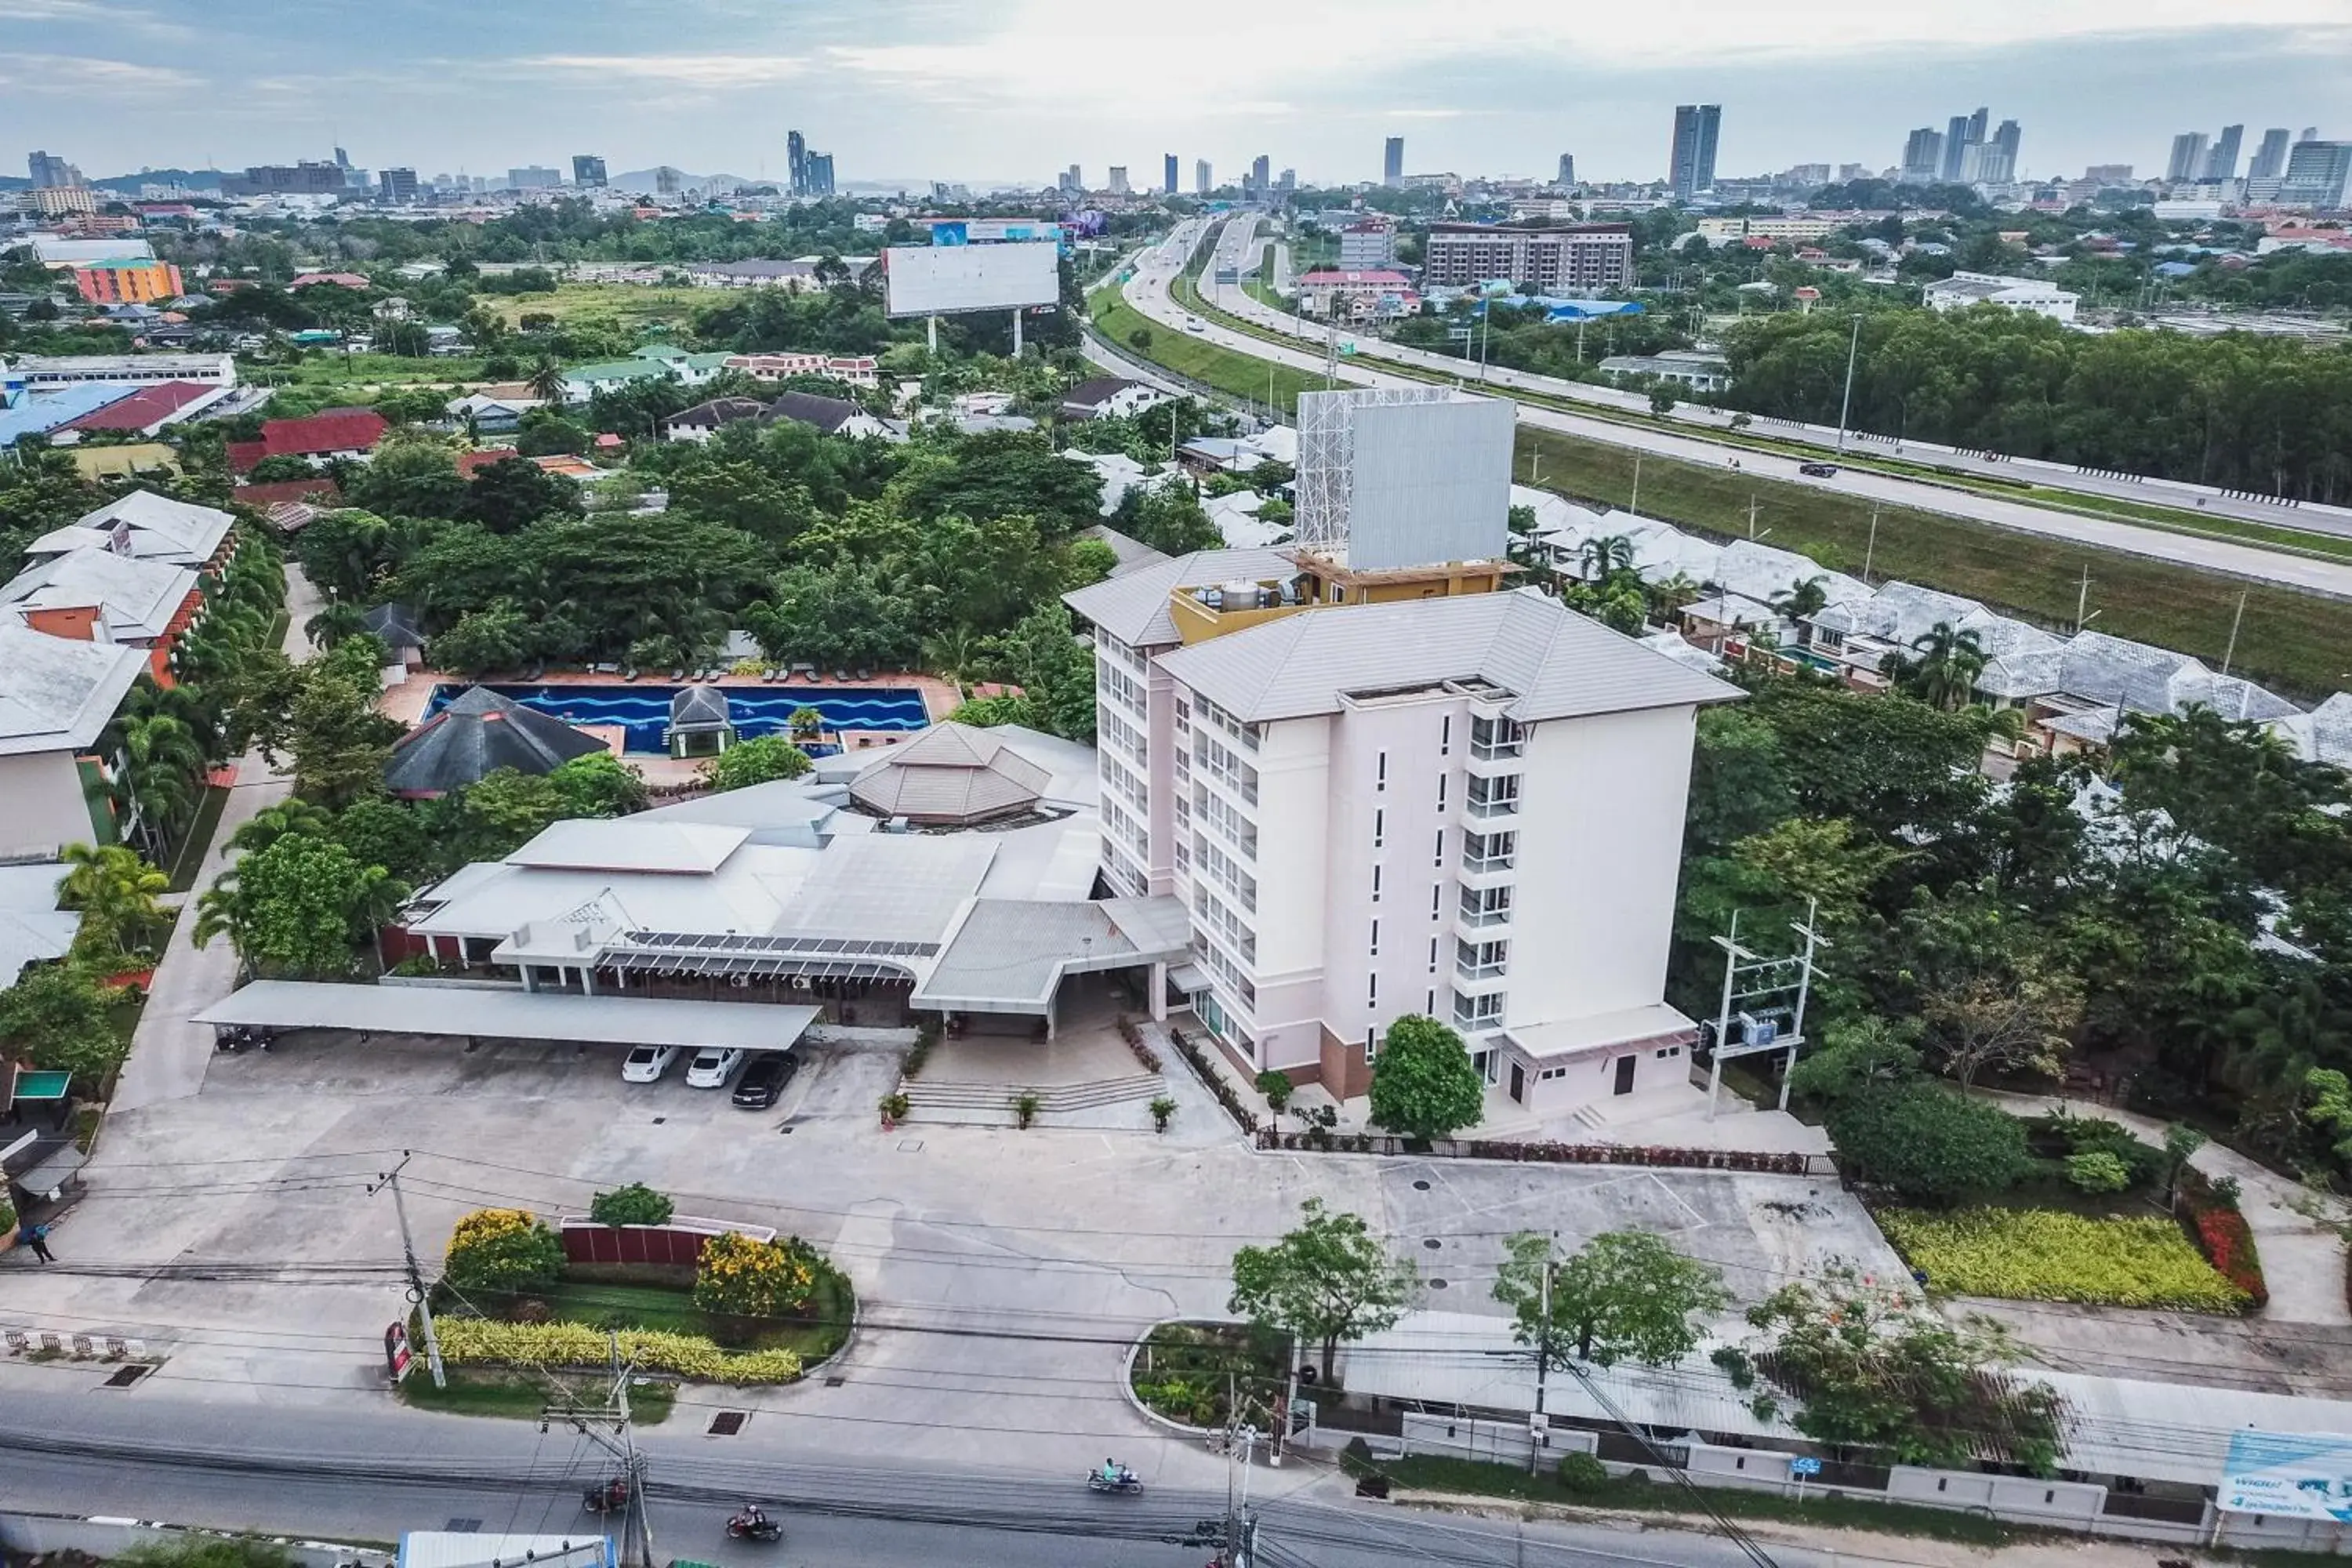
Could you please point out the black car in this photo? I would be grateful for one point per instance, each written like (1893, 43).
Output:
(763, 1081)
(1818, 470)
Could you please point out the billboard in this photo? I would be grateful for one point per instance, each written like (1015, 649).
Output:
(1405, 476)
(2288, 1475)
(949, 280)
(997, 231)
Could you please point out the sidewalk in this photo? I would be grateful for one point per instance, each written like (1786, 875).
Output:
(2302, 1261)
(169, 1054)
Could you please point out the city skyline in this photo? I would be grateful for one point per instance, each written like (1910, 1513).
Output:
(939, 93)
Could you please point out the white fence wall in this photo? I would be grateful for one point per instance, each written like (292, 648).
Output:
(37, 1533)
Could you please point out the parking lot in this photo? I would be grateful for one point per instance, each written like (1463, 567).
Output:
(999, 1273)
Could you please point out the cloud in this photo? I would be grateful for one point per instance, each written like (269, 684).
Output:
(721, 72)
(82, 75)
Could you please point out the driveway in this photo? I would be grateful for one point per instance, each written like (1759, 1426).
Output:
(168, 1054)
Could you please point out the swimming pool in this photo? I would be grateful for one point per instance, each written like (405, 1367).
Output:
(644, 711)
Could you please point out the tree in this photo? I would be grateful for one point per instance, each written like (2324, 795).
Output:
(546, 380)
(1802, 599)
(2015, 1018)
(1624, 1295)
(1662, 401)
(297, 907)
(1856, 1057)
(1941, 668)
(760, 760)
(744, 1277)
(1929, 1144)
(207, 1551)
(1605, 556)
(1874, 1367)
(506, 495)
(483, 641)
(1328, 1282)
(503, 1250)
(116, 892)
(1424, 1084)
(57, 1016)
(598, 784)
(636, 1204)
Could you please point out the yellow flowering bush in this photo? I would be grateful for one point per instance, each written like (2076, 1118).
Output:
(503, 1249)
(486, 1340)
(2048, 1255)
(744, 1277)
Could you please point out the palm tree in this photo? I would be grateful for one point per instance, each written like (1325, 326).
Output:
(953, 655)
(1942, 668)
(1668, 598)
(1605, 556)
(1804, 598)
(338, 620)
(265, 827)
(161, 764)
(546, 380)
(115, 892)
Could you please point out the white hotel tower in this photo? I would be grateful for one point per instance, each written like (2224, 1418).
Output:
(1384, 784)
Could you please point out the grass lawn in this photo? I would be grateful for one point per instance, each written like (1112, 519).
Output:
(1238, 374)
(1185, 1369)
(624, 1299)
(335, 369)
(2049, 1255)
(521, 1395)
(631, 304)
(198, 838)
(1431, 1473)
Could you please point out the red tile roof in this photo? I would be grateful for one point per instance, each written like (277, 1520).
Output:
(323, 488)
(472, 463)
(331, 430)
(148, 405)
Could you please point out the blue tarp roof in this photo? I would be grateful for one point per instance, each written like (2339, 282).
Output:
(38, 413)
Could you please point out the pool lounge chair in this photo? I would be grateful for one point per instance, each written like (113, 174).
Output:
(677, 675)
(630, 673)
(770, 674)
(799, 670)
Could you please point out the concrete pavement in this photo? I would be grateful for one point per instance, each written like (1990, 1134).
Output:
(169, 1054)
(1147, 292)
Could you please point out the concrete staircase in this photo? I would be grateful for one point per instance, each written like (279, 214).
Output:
(926, 1095)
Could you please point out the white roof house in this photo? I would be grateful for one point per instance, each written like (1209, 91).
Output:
(57, 693)
(144, 525)
(2034, 295)
(33, 930)
(138, 597)
(1235, 516)
(1762, 572)
(1133, 607)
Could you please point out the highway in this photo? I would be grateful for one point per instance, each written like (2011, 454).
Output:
(1148, 292)
(1700, 416)
(352, 1476)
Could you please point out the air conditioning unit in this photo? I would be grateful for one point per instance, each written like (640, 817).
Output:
(800, 982)
(741, 982)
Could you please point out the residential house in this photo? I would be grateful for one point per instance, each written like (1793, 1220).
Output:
(150, 409)
(1963, 290)
(655, 361)
(490, 415)
(57, 694)
(98, 596)
(830, 415)
(1376, 295)
(477, 733)
(147, 527)
(704, 420)
(1110, 396)
(347, 433)
(33, 930)
(857, 370)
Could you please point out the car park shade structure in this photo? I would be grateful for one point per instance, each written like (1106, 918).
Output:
(472, 1013)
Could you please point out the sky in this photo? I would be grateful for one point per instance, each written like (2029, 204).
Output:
(999, 92)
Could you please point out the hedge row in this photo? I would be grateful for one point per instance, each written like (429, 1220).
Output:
(487, 1341)
(2221, 1232)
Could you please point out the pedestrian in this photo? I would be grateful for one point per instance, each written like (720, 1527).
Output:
(37, 1239)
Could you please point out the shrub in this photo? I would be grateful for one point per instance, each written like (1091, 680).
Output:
(1275, 1085)
(484, 1339)
(2210, 1208)
(2044, 1255)
(503, 1250)
(894, 1106)
(747, 1278)
(2098, 1172)
(1025, 1106)
(636, 1204)
(1582, 1473)
(1929, 1143)
(1162, 1109)
(7, 1215)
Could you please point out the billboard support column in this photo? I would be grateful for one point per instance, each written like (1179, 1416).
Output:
(1016, 333)
(931, 327)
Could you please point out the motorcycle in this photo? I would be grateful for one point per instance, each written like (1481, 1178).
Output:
(610, 1498)
(752, 1524)
(1127, 1483)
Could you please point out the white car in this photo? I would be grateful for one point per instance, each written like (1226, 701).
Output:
(1194, 324)
(647, 1063)
(712, 1067)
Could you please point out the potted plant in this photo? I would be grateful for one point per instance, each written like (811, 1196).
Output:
(807, 725)
(1162, 1109)
(1025, 1106)
(894, 1108)
(1275, 1084)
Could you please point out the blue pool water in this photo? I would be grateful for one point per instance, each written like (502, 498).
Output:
(644, 711)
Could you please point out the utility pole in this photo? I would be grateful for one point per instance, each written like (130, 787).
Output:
(1870, 548)
(1542, 1422)
(422, 1298)
(2083, 599)
(2235, 621)
(637, 1542)
(1845, 407)
(1635, 506)
(1751, 514)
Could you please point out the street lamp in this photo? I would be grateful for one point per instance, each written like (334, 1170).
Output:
(1846, 405)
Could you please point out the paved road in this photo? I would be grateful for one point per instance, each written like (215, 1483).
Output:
(1148, 292)
(1701, 418)
(310, 1474)
(168, 1054)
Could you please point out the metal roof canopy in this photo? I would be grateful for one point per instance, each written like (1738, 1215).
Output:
(471, 1013)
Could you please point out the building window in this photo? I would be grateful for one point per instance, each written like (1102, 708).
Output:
(1372, 990)
(1496, 737)
(1485, 906)
(1437, 901)
(1372, 1043)
(1445, 735)
(1432, 955)
(1441, 791)
(1429, 1005)
(1380, 827)
(1376, 884)
(1440, 861)
(1380, 771)
(1376, 947)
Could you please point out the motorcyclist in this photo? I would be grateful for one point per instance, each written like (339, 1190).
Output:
(753, 1516)
(1111, 1472)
